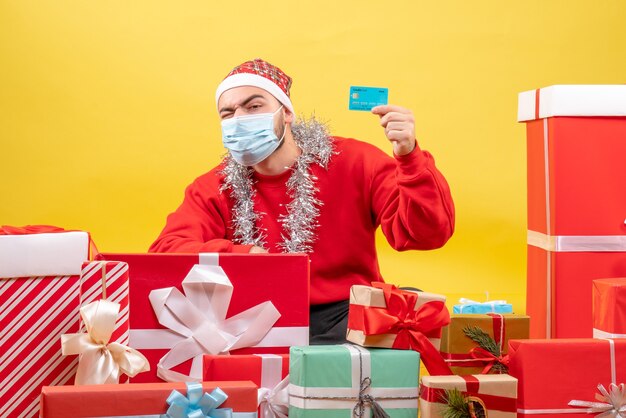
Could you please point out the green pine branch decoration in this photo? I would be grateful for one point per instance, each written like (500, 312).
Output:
(455, 405)
(483, 339)
(458, 406)
(485, 342)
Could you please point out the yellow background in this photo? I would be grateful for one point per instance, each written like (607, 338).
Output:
(107, 107)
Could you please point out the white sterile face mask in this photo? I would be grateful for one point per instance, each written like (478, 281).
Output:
(251, 139)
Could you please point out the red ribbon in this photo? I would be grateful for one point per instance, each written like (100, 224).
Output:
(492, 402)
(483, 355)
(499, 337)
(411, 326)
(29, 229)
(498, 328)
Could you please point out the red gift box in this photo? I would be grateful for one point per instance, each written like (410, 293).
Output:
(36, 311)
(282, 279)
(551, 373)
(267, 371)
(609, 308)
(559, 302)
(136, 399)
(576, 203)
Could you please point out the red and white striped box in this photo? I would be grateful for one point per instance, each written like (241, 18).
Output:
(107, 280)
(576, 201)
(34, 313)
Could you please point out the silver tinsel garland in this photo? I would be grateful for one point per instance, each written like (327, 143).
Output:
(300, 222)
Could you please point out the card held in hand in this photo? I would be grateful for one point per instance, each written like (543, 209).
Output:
(365, 98)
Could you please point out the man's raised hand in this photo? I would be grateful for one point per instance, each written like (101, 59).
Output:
(399, 125)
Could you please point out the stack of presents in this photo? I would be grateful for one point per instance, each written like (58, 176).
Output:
(226, 335)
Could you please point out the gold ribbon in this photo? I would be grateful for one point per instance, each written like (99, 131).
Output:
(612, 403)
(100, 361)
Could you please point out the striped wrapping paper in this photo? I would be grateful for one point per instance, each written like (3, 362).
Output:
(115, 290)
(34, 313)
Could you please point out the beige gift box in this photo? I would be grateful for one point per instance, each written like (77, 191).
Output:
(496, 392)
(375, 298)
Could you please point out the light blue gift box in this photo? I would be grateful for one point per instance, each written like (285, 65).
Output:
(468, 306)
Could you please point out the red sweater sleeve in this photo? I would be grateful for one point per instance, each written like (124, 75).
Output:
(199, 224)
(412, 202)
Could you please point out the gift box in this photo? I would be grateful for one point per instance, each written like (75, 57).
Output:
(268, 371)
(102, 343)
(495, 395)
(558, 285)
(144, 399)
(576, 229)
(552, 373)
(384, 316)
(265, 370)
(339, 380)
(468, 306)
(212, 317)
(478, 344)
(42, 250)
(36, 311)
(107, 280)
(609, 308)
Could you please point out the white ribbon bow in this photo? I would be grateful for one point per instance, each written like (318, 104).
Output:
(100, 361)
(611, 403)
(274, 403)
(199, 316)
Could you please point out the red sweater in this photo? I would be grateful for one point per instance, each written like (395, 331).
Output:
(361, 189)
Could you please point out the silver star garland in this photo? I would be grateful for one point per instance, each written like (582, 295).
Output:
(300, 222)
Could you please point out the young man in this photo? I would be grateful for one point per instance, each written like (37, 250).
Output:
(287, 186)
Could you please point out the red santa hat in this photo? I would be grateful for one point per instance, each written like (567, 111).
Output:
(261, 74)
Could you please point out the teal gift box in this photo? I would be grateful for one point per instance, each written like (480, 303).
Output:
(468, 306)
(342, 381)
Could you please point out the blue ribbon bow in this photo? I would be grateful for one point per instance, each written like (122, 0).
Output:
(197, 404)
